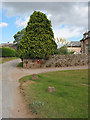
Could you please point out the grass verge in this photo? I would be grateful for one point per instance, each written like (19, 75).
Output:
(70, 99)
(20, 64)
(8, 59)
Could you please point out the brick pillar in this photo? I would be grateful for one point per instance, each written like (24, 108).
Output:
(83, 46)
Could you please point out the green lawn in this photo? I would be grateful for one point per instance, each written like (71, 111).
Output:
(70, 99)
(8, 59)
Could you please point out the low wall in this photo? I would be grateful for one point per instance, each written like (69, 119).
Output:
(30, 63)
(58, 61)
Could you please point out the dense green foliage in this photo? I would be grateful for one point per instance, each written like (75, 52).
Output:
(38, 39)
(18, 36)
(62, 50)
(8, 52)
(70, 99)
(72, 52)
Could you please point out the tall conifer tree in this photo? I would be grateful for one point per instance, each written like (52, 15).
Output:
(38, 39)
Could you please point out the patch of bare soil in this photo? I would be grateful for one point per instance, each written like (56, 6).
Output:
(24, 97)
(21, 108)
(27, 82)
(85, 85)
(23, 86)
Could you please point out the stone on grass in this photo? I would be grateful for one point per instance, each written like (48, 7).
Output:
(35, 77)
(51, 89)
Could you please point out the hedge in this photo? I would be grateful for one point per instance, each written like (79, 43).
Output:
(8, 52)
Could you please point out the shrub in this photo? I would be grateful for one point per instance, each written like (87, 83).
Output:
(63, 50)
(8, 52)
(72, 52)
(56, 51)
(20, 64)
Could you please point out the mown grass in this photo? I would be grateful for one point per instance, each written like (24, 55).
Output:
(7, 59)
(70, 99)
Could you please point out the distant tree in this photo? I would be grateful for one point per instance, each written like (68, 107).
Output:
(63, 50)
(61, 42)
(18, 36)
(38, 39)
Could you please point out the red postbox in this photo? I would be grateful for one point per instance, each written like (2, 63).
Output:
(38, 62)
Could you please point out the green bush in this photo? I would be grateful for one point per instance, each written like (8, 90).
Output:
(63, 50)
(56, 51)
(20, 64)
(72, 52)
(8, 52)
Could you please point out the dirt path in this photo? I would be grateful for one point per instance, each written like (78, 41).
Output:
(13, 104)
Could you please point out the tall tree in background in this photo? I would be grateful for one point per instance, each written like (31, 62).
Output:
(61, 42)
(38, 39)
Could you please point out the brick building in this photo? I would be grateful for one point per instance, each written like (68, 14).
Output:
(85, 42)
(74, 46)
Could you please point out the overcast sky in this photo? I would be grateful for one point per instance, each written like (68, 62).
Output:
(69, 19)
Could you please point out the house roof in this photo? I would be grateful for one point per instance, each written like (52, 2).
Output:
(74, 44)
